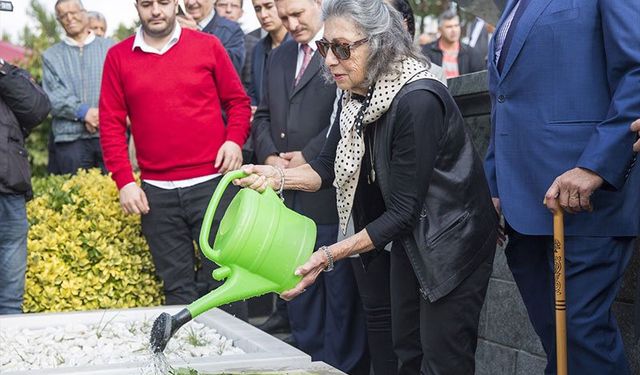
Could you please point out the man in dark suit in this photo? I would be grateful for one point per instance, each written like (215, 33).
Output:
(201, 15)
(455, 57)
(267, 15)
(289, 129)
(232, 10)
(561, 109)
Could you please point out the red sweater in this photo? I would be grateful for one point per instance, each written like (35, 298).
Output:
(175, 104)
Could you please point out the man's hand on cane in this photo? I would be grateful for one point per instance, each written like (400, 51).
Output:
(572, 191)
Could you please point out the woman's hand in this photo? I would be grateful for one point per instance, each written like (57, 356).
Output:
(309, 272)
(259, 177)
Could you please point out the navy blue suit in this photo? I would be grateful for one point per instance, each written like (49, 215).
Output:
(562, 102)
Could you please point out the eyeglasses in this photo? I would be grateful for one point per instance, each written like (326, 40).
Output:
(73, 14)
(342, 51)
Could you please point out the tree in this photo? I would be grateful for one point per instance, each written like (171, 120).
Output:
(123, 31)
(37, 40)
(424, 8)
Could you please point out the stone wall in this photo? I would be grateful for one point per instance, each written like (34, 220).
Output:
(508, 345)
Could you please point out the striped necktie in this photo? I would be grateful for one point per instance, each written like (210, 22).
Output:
(305, 61)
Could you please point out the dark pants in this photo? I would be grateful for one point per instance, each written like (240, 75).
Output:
(75, 155)
(431, 338)
(373, 285)
(327, 321)
(171, 229)
(594, 268)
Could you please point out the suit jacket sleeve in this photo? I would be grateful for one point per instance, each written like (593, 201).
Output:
(251, 89)
(261, 126)
(235, 47)
(609, 151)
(233, 98)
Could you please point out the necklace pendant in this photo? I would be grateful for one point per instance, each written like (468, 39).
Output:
(372, 176)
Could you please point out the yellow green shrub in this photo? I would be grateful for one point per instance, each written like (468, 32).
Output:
(83, 252)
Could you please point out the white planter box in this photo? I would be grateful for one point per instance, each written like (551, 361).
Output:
(262, 352)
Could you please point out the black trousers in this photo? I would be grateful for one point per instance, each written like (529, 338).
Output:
(431, 338)
(78, 154)
(374, 288)
(172, 230)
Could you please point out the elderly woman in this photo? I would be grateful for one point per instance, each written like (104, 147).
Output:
(406, 170)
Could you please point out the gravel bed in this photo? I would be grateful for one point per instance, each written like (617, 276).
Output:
(107, 342)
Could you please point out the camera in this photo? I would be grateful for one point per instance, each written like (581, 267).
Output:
(6, 6)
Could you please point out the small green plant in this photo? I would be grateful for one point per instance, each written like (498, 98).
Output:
(194, 339)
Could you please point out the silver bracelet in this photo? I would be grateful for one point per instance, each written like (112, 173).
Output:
(281, 181)
(330, 260)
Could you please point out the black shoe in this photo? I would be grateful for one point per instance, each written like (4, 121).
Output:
(275, 323)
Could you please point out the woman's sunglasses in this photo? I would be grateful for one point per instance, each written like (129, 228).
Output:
(342, 51)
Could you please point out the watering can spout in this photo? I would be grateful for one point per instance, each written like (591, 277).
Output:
(240, 284)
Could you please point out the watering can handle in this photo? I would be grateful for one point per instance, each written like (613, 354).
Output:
(211, 210)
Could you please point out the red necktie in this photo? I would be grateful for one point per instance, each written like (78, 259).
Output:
(305, 61)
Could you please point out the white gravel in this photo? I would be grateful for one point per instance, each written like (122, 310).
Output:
(106, 342)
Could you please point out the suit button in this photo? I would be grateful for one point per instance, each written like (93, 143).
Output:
(501, 99)
(282, 135)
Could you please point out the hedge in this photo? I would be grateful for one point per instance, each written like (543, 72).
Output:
(83, 252)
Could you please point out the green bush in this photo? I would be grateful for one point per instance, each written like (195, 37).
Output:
(83, 252)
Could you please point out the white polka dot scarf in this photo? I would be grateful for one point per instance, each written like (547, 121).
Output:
(354, 116)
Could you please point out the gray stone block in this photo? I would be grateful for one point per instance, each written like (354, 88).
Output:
(507, 320)
(629, 281)
(624, 315)
(470, 84)
(501, 270)
(482, 326)
(479, 128)
(494, 359)
(527, 364)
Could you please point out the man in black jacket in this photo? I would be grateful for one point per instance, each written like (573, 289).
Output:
(455, 57)
(23, 105)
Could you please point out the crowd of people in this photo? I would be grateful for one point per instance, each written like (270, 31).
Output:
(334, 103)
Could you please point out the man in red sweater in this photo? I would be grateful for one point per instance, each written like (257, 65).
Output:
(174, 85)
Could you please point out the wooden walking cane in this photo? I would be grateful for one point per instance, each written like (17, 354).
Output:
(560, 295)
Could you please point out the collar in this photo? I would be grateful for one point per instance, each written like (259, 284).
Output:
(205, 21)
(139, 42)
(73, 43)
(312, 42)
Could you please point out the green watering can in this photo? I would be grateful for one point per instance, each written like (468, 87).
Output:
(259, 244)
